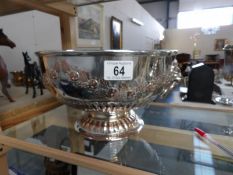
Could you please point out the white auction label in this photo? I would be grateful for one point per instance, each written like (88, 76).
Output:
(118, 70)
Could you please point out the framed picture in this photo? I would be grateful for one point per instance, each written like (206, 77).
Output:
(219, 44)
(89, 26)
(116, 33)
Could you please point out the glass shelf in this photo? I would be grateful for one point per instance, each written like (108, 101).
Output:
(166, 145)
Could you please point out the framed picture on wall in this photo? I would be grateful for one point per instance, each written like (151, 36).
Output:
(89, 26)
(116, 33)
(219, 44)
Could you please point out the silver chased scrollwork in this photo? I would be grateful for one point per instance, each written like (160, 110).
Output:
(108, 85)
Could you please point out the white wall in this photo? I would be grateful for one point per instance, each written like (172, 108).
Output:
(181, 40)
(187, 5)
(134, 37)
(31, 31)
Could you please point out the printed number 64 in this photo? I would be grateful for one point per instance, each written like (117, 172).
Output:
(118, 70)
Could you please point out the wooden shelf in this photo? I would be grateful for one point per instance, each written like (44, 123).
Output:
(55, 7)
(66, 10)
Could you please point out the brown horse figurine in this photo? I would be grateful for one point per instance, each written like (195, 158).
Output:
(5, 41)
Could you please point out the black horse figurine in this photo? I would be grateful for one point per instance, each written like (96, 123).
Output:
(32, 75)
(5, 41)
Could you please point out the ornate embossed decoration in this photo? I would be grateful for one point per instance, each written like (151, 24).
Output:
(108, 85)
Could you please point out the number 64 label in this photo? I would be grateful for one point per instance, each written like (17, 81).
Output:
(118, 70)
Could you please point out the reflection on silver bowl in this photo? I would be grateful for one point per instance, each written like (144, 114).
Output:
(108, 84)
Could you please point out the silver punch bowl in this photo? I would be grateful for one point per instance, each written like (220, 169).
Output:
(108, 85)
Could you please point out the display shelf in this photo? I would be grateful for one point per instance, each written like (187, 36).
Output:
(166, 144)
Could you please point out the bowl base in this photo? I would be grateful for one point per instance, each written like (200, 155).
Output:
(109, 127)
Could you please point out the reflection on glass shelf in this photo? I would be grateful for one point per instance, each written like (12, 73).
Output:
(140, 154)
(203, 158)
(25, 163)
(214, 122)
(165, 145)
(137, 154)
